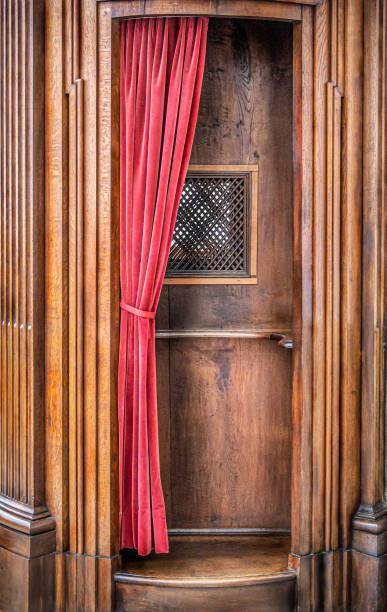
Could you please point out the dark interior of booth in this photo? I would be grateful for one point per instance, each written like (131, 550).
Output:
(224, 387)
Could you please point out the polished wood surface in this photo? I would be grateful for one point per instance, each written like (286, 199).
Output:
(325, 293)
(22, 258)
(210, 558)
(227, 434)
(369, 536)
(27, 529)
(82, 299)
(207, 573)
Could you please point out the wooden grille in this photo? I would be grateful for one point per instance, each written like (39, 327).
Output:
(211, 236)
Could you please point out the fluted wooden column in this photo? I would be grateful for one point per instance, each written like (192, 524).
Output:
(27, 531)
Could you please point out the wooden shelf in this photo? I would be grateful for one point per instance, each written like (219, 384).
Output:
(257, 565)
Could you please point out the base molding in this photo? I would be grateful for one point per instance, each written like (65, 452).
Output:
(27, 571)
(369, 530)
(25, 518)
(369, 558)
(369, 582)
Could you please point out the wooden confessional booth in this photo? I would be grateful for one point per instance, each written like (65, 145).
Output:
(270, 327)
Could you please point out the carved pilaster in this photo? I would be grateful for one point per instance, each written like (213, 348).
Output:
(369, 536)
(27, 536)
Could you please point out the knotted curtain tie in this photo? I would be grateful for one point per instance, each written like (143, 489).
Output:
(145, 314)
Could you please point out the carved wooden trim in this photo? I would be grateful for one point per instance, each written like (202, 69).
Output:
(22, 517)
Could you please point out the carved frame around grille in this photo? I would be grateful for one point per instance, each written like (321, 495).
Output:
(213, 232)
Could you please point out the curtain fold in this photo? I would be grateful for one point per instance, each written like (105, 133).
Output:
(162, 63)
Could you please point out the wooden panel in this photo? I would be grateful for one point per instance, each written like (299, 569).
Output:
(263, 597)
(228, 433)
(245, 116)
(30, 584)
(369, 586)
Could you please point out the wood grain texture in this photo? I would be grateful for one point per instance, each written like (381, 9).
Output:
(254, 9)
(245, 117)
(82, 43)
(21, 257)
(30, 585)
(27, 530)
(216, 573)
(82, 292)
(303, 283)
(373, 317)
(224, 387)
(369, 571)
(351, 85)
(325, 486)
(229, 434)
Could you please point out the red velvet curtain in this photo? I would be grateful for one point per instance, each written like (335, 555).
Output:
(162, 63)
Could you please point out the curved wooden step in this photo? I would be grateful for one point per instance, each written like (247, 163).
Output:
(217, 573)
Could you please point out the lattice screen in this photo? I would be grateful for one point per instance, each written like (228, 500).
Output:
(211, 236)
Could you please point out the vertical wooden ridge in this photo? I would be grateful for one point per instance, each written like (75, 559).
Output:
(333, 208)
(76, 301)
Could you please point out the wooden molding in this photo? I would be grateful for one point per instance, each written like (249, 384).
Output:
(24, 518)
(369, 530)
(29, 546)
(247, 531)
(256, 9)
